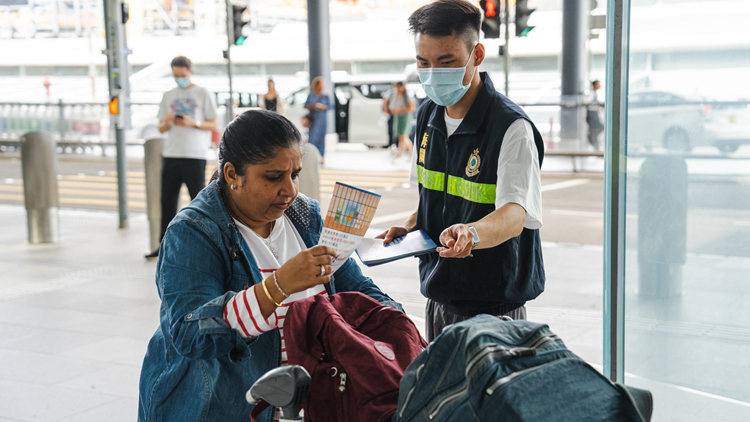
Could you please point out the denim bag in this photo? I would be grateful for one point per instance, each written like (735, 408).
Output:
(490, 369)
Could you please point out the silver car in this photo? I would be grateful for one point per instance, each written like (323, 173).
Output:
(659, 119)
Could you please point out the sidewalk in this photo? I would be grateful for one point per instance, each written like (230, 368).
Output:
(75, 320)
(75, 317)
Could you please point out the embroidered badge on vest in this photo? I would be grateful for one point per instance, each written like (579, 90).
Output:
(472, 169)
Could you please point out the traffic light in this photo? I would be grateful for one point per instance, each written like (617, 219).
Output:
(238, 22)
(522, 18)
(491, 21)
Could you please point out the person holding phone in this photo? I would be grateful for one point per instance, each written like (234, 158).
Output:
(187, 115)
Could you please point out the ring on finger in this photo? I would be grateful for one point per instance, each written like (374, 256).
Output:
(322, 270)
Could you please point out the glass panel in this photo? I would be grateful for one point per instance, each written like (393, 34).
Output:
(687, 236)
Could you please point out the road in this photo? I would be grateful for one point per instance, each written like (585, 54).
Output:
(572, 202)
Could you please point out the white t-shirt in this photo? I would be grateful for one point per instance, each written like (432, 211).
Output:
(285, 243)
(518, 175)
(188, 142)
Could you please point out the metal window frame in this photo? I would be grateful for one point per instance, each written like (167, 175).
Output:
(615, 175)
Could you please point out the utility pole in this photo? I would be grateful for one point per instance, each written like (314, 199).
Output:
(506, 50)
(116, 14)
(228, 56)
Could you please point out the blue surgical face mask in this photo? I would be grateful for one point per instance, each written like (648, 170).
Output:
(445, 86)
(182, 82)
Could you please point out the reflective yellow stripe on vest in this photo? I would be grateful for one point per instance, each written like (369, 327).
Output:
(433, 180)
(481, 193)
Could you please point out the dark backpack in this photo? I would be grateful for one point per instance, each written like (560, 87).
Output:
(356, 351)
(490, 369)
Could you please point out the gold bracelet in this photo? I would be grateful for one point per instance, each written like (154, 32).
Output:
(269, 294)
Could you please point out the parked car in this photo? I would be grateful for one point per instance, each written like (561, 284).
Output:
(358, 109)
(680, 123)
(727, 125)
(662, 119)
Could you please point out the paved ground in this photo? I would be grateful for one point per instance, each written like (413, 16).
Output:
(75, 317)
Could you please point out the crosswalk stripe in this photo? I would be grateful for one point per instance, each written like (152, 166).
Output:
(80, 201)
(82, 192)
(351, 179)
(103, 178)
(140, 185)
(564, 185)
(102, 202)
(366, 173)
(347, 173)
(101, 189)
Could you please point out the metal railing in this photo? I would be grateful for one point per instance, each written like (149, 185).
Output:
(80, 127)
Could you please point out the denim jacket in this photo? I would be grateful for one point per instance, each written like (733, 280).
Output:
(196, 367)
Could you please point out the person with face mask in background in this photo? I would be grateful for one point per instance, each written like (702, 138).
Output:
(477, 166)
(187, 114)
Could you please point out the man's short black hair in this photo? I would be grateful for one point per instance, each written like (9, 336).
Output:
(444, 18)
(182, 61)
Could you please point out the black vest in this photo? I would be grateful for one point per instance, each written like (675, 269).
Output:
(457, 183)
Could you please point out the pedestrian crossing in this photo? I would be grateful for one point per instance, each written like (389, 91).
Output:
(99, 191)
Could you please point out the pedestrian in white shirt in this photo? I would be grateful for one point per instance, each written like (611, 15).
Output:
(187, 115)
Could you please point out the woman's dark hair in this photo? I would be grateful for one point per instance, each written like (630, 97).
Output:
(253, 137)
(444, 18)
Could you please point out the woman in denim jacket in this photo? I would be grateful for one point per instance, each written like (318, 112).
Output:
(220, 307)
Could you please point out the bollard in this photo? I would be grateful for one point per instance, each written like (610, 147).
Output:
(39, 169)
(662, 225)
(153, 162)
(309, 177)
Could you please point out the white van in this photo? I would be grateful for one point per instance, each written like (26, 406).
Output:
(358, 107)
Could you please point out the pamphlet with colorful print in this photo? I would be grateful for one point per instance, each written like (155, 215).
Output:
(349, 216)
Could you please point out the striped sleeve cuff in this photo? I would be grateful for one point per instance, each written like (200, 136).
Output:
(243, 314)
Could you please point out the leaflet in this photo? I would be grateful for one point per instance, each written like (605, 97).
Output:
(349, 216)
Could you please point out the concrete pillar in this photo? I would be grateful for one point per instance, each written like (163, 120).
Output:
(319, 44)
(572, 114)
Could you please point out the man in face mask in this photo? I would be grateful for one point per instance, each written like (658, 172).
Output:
(477, 164)
(188, 115)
